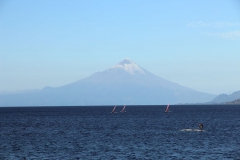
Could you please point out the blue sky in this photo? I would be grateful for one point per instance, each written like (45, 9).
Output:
(52, 43)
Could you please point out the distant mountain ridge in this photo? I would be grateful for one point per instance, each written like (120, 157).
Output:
(125, 83)
(223, 98)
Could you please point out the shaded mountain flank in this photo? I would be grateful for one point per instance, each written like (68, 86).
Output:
(237, 101)
(224, 98)
(125, 83)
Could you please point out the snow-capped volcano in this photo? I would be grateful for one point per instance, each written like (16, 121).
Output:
(129, 66)
(124, 83)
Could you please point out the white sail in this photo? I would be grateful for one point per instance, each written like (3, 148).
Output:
(167, 108)
(114, 109)
(123, 109)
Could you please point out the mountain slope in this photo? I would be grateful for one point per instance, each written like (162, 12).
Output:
(237, 101)
(222, 98)
(124, 83)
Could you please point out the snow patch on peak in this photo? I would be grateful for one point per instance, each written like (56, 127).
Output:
(126, 61)
(129, 66)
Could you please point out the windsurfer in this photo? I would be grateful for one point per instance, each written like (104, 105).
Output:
(200, 125)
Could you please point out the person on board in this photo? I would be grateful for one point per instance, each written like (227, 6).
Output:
(200, 125)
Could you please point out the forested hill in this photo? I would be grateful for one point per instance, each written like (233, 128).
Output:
(237, 101)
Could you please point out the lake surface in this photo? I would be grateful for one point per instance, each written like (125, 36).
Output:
(142, 132)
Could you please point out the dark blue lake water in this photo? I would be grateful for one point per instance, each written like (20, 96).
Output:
(142, 132)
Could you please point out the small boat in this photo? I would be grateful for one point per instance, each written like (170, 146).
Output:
(167, 109)
(123, 110)
(114, 109)
(200, 125)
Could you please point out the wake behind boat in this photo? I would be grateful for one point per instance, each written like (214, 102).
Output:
(191, 130)
(200, 129)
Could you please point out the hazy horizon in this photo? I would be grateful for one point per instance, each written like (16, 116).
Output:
(53, 43)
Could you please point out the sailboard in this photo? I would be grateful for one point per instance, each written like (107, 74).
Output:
(123, 110)
(167, 109)
(114, 109)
